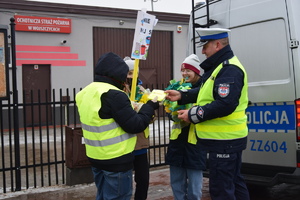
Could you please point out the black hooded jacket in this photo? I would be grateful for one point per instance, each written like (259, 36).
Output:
(113, 70)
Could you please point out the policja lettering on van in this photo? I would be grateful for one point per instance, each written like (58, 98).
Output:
(268, 117)
(277, 117)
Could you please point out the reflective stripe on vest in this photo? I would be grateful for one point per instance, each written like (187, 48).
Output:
(100, 129)
(104, 138)
(103, 143)
(233, 126)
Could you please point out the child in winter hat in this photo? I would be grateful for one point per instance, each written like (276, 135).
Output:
(191, 62)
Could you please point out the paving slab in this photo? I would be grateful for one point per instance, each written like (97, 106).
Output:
(159, 189)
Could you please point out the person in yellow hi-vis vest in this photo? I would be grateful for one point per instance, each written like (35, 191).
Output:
(109, 124)
(220, 114)
(185, 156)
(140, 164)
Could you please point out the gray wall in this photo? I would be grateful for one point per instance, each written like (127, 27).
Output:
(80, 41)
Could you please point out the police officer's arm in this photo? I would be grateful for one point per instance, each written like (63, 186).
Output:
(188, 96)
(117, 105)
(183, 96)
(224, 103)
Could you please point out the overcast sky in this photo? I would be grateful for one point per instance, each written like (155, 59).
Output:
(171, 6)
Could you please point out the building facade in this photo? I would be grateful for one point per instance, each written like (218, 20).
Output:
(57, 45)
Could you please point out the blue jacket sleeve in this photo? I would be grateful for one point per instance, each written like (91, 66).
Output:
(189, 96)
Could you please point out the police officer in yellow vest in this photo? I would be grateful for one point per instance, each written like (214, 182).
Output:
(109, 126)
(219, 114)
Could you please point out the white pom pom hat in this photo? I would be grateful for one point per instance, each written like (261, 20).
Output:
(129, 62)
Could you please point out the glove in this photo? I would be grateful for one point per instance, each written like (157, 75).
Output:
(153, 104)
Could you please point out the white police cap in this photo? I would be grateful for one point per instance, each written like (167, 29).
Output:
(207, 34)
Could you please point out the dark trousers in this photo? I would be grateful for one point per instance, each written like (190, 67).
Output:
(225, 179)
(141, 176)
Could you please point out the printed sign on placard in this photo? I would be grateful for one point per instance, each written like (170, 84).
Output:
(142, 36)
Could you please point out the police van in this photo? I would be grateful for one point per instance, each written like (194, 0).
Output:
(265, 37)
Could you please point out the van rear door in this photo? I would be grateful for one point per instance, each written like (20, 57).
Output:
(261, 39)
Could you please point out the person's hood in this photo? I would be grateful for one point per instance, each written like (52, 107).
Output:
(113, 67)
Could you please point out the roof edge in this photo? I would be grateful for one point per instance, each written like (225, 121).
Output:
(86, 10)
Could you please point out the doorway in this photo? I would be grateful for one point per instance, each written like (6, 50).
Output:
(36, 94)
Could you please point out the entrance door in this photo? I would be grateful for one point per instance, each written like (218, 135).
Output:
(37, 94)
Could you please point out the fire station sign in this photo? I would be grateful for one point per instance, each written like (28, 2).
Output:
(142, 36)
(42, 24)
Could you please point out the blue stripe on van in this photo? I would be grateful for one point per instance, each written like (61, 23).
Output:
(271, 117)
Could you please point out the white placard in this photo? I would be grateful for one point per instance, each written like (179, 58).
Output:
(142, 36)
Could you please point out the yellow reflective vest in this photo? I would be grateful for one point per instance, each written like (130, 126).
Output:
(176, 130)
(230, 127)
(104, 138)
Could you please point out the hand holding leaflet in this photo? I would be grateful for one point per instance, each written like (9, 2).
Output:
(160, 94)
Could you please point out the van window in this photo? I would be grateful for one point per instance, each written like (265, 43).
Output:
(263, 50)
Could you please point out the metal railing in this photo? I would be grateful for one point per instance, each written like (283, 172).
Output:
(35, 157)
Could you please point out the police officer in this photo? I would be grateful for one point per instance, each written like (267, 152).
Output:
(219, 115)
(109, 125)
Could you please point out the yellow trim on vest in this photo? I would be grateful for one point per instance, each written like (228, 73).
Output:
(223, 128)
(176, 131)
(147, 132)
(235, 115)
(192, 134)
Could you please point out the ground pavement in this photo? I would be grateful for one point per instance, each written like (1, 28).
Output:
(159, 189)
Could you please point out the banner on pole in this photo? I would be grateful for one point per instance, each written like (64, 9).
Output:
(142, 36)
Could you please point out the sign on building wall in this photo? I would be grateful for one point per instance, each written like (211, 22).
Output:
(142, 35)
(3, 64)
(42, 24)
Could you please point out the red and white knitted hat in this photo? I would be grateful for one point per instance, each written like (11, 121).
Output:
(191, 62)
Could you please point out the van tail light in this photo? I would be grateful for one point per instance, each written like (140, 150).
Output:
(297, 106)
